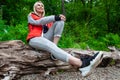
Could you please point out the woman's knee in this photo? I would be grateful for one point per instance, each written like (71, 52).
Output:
(60, 23)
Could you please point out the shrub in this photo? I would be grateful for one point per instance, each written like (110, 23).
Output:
(17, 32)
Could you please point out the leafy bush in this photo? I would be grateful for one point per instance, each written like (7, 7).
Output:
(66, 41)
(77, 35)
(2, 28)
(96, 44)
(17, 32)
(111, 40)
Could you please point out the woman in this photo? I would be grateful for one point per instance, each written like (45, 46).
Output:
(37, 38)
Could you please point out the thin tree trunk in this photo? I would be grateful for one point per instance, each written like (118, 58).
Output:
(63, 8)
(107, 6)
(91, 3)
(83, 2)
(1, 12)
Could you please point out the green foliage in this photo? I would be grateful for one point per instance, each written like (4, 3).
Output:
(66, 41)
(96, 44)
(83, 45)
(111, 40)
(93, 24)
(18, 32)
(2, 23)
(52, 7)
(76, 36)
(17, 12)
(2, 28)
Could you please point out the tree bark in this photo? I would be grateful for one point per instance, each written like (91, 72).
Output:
(17, 58)
(63, 7)
(83, 2)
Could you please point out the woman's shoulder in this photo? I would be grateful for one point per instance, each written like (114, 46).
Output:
(33, 15)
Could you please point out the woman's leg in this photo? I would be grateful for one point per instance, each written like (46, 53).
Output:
(54, 33)
(44, 44)
(85, 65)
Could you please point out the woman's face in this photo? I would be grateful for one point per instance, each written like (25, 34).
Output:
(39, 8)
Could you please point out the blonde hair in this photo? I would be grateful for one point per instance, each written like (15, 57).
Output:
(35, 9)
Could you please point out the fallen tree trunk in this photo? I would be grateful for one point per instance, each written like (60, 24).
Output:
(18, 59)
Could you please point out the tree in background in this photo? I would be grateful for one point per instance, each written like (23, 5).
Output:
(86, 19)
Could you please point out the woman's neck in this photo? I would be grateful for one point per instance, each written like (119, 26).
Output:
(39, 14)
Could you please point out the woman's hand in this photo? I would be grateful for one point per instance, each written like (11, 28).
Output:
(62, 17)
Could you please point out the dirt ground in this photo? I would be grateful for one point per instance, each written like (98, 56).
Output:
(105, 73)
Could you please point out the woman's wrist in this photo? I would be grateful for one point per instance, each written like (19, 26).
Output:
(57, 18)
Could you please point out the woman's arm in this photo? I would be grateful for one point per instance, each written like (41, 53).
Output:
(45, 20)
(41, 21)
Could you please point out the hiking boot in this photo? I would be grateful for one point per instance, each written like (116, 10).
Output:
(90, 63)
